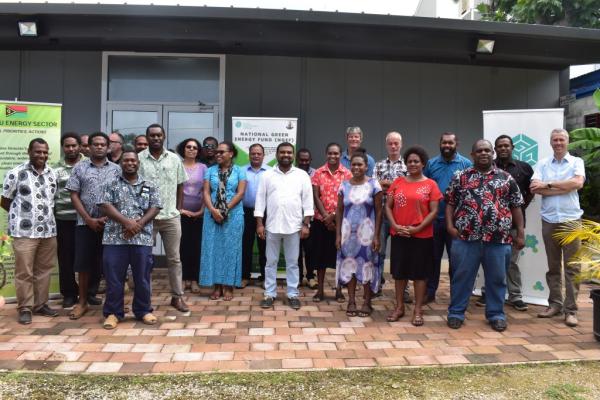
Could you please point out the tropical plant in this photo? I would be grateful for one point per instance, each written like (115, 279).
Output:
(585, 142)
(578, 13)
(588, 255)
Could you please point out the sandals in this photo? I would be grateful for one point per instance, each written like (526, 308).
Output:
(228, 295)
(417, 320)
(339, 297)
(78, 311)
(317, 298)
(395, 315)
(216, 295)
(351, 310)
(149, 319)
(365, 311)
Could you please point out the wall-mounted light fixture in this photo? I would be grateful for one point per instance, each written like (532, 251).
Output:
(485, 46)
(28, 28)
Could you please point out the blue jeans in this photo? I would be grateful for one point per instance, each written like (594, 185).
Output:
(291, 247)
(466, 257)
(441, 239)
(116, 260)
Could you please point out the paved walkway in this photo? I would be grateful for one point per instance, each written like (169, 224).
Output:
(239, 335)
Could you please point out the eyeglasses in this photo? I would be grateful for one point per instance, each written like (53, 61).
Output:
(191, 147)
(222, 151)
(210, 146)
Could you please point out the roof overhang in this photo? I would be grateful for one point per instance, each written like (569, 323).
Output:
(294, 33)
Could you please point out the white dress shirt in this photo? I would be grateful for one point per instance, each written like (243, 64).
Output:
(287, 197)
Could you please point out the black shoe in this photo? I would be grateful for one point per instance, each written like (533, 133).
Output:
(499, 325)
(94, 301)
(179, 304)
(69, 302)
(266, 302)
(25, 316)
(407, 299)
(294, 303)
(454, 322)
(519, 305)
(46, 311)
(480, 301)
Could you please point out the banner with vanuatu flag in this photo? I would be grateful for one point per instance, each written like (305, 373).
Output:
(20, 122)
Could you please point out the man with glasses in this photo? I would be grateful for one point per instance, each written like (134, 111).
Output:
(209, 147)
(115, 147)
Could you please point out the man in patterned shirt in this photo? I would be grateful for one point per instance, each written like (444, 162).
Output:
(386, 171)
(28, 197)
(131, 203)
(482, 202)
(86, 185)
(66, 218)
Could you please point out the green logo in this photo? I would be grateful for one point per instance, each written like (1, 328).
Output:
(526, 149)
(538, 286)
(238, 124)
(531, 242)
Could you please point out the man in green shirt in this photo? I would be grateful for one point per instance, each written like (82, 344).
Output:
(165, 169)
(66, 218)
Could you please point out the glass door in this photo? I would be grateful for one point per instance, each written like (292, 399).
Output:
(183, 122)
(132, 119)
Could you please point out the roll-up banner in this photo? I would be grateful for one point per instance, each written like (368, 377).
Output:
(269, 132)
(530, 132)
(20, 122)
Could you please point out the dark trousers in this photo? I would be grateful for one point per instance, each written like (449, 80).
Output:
(248, 245)
(65, 249)
(441, 239)
(189, 249)
(116, 260)
(88, 256)
(304, 262)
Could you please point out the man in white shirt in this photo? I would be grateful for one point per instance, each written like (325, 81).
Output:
(286, 193)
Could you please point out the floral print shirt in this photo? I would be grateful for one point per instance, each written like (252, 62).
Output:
(329, 184)
(482, 204)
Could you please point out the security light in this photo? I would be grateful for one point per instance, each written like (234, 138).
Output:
(485, 46)
(28, 28)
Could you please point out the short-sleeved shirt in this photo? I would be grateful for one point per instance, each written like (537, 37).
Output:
(482, 204)
(329, 185)
(193, 196)
(346, 162)
(89, 181)
(132, 200)
(388, 170)
(166, 172)
(32, 193)
(63, 207)
(411, 203)
(562, 207)
(442, 171)
(252, 180)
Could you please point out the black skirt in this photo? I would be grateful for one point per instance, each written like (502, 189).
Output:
(323, 253)
(411, 258)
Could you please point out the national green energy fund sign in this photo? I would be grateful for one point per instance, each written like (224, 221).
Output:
(269, 132)
(21, 122)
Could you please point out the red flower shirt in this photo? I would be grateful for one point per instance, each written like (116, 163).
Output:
(329, 184)
(411, 203)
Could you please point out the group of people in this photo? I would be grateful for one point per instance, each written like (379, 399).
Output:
(101, 208)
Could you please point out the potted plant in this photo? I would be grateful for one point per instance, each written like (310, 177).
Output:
(588, 256)
(5, 255)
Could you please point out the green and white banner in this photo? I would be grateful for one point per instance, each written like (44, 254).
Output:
(269, 132)
(20, 122)
(530, 132)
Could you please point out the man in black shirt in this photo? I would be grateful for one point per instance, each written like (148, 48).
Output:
(522, 173)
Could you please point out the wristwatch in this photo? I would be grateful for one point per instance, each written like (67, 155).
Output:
(306, 225)
(549, 184)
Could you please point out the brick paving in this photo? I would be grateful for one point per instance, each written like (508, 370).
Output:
(240, 336)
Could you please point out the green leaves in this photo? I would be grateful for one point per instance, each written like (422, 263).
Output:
(587, 140)
(596, 96)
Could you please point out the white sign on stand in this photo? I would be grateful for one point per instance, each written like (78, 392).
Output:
(530, 131)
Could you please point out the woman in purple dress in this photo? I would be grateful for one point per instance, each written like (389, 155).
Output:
(192, 213)
(358, 223)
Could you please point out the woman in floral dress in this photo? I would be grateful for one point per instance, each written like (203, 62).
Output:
(358, 222)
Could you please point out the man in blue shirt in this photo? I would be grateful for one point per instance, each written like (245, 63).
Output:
(557, 180)
(441, 169)
(354, 138)
(254, 172)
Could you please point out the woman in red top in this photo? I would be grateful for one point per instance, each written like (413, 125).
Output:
(411, 206)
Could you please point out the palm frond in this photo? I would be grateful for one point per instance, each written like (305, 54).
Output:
(584, 230)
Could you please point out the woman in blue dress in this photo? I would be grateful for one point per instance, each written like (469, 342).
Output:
(221, 259)
(358, 223)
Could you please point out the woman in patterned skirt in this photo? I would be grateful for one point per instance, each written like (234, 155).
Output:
(358, 222)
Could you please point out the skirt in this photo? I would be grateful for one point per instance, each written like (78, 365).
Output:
(411, 258)
(323, 253)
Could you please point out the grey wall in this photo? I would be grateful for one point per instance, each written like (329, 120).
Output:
(420, 100)
(327, 95)
(70, 78)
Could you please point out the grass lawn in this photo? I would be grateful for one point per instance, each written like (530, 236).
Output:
(554, 381)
